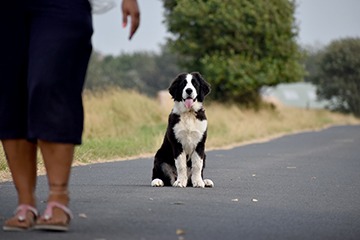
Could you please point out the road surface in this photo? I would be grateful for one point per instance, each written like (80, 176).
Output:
(302, 186)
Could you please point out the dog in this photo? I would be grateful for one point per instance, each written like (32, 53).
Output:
(180, 161)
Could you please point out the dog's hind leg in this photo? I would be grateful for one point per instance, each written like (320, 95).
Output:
(157, 176)
(165, 175)
(208, 183)
(157, 182)
(170, 172)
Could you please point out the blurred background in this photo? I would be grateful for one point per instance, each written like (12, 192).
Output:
(320, 22)
(304, 29)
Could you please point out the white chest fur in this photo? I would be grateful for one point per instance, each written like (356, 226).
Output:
(189, 131)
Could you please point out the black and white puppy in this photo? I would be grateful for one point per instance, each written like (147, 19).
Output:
(180, 161)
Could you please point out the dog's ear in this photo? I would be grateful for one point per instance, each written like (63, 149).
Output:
(174, 86)
(204, 86)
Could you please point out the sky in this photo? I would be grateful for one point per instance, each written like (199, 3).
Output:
(320, 22)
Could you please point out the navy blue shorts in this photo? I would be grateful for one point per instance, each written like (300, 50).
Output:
(45, 49)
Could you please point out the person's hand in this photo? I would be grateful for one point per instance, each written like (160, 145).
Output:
(130, 8)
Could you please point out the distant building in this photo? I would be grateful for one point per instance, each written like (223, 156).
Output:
(301, 94)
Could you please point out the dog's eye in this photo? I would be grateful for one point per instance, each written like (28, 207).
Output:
(183, 84)
(195, 83)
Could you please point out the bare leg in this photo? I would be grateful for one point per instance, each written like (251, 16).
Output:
(21, 158)
(58, 158)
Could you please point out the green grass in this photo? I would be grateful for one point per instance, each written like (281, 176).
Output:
(122, 124)
(140, 141)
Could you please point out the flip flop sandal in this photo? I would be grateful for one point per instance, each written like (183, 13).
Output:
(42, 223)
(20, 214)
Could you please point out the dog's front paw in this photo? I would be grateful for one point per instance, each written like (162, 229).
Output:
(198, 183)
(157, 183)
(180, 183)
(208, 183)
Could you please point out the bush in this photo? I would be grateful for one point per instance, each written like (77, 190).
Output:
(338, 75)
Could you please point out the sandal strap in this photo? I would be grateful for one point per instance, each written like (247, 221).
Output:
(22, 209)
(49, 210)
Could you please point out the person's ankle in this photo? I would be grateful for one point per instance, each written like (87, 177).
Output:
(59, 196)
(27, 200)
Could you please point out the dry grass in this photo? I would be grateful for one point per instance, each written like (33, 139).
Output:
(232, 125)
(115, 112)
(121, 124)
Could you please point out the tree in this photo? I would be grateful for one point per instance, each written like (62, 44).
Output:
(338, 75)
(145, 72)
(95, 75)
(312, 54)
(239, 45)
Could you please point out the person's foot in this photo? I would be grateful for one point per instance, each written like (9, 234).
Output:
(55, 218)
(24, 219)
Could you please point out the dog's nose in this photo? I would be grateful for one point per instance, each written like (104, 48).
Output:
(188, 91)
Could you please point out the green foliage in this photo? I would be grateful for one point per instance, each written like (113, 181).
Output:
(143, 71)
(239, 45)
(337, 75)
(311, 62)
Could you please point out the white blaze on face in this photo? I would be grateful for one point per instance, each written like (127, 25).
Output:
(189, 99)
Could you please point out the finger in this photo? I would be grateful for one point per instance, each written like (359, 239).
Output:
(124, 19)
(135, 21)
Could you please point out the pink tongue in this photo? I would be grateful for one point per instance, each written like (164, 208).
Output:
(188, 102)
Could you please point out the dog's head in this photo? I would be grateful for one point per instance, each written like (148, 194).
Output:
(189, 90)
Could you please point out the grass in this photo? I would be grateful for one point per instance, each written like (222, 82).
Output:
(122, 124)
(233, 125)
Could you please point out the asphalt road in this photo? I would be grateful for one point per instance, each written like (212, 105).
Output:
(303, 186)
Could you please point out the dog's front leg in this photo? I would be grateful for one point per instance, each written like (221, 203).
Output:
(181, 168)
(197, 166)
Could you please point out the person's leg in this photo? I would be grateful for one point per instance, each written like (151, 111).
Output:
(59, 51)
(58, 158)
(21, 158)
(20, 154)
